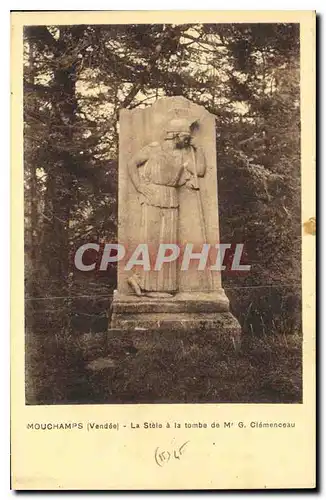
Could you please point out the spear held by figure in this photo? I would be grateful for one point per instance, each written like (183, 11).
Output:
(195, 186)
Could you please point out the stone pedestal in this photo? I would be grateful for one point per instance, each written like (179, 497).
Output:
(183, 310)
(198, 301)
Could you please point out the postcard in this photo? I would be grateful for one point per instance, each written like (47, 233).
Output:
(163, 250)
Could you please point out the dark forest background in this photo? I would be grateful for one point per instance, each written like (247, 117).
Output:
(76, 78)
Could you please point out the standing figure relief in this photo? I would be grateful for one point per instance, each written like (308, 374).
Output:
(176, 161)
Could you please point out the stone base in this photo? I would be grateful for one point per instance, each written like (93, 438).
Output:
(184, 311)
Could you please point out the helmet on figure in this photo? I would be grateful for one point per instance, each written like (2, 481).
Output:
(178, 127)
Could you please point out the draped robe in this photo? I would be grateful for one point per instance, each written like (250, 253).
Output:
(163, 173)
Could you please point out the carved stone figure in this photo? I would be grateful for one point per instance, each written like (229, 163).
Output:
(174, 162)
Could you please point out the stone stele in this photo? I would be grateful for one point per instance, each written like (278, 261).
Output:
(168, 194)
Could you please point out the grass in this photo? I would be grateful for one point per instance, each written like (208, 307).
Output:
(158, 367)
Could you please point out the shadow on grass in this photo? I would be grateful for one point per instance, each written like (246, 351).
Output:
(163, 368)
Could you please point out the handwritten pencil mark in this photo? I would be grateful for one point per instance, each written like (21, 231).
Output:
(162, 457)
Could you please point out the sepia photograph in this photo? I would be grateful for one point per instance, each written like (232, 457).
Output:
(163, 250)
(162, 225)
